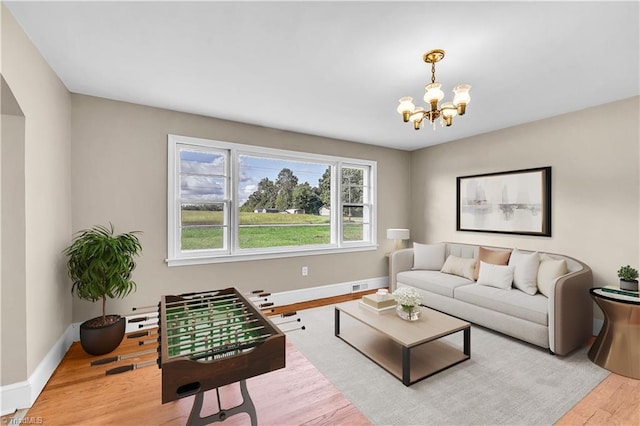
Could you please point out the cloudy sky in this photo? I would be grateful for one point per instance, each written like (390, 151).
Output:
(202, 174)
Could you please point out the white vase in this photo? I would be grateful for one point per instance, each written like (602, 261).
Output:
(408, 313)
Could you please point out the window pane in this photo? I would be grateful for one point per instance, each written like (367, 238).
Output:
(352, 185)
(263, 236)
(353, 223)
(281, 202)
(202, 175)
(202, 188)
(201, 163)
(203, 226)
(203, 237)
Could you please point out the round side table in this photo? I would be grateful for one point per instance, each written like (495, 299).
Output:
(617, 347)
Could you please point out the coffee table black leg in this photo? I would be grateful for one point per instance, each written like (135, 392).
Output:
(467, 341)
(336, 322)
(406, 366)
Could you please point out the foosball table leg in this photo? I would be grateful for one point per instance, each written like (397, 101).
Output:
(246, 407)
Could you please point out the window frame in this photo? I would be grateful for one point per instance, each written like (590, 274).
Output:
(177, 257)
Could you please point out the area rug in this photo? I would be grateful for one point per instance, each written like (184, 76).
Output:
(506, 381)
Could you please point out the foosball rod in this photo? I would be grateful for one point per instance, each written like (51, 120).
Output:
(291, 330)
(209, 310)
(203, 351)
(287, 322)
(257, 296)
(153, 323)
(284, 314)
(144, 310)
(138, 334)
(117, 358)
(241, 319)
(141, 319)
(186, 299)
(211, 317)
(210, 338)
(130, 367)
(136, 308)
(201, 330)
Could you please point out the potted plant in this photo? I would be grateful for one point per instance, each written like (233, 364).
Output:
(100, 265)
(628, 278)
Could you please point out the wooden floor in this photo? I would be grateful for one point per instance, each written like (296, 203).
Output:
(78, 394)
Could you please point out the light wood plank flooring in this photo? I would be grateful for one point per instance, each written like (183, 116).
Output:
(298, 395)
(78, 394)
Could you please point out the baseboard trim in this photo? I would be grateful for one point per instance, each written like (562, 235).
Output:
(23, 394)
(312, 293)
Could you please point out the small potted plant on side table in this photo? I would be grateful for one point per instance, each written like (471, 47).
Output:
(628, 278)
(100, 265)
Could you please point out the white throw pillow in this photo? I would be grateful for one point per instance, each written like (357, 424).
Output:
(525, 274)
(460, 266)
(428, 256)
(548, 271)
(500, 276)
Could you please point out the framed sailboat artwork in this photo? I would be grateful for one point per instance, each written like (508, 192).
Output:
(513, 202)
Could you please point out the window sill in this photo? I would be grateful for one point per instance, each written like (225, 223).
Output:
(201, 260)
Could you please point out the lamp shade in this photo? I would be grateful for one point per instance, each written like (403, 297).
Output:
(397, 234)
(461, 94)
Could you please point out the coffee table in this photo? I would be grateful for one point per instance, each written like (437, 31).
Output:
(409, 350)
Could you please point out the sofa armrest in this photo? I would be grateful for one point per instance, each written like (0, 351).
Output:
(399, 261)
(571, 311)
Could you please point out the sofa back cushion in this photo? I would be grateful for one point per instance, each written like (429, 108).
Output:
(429, 257)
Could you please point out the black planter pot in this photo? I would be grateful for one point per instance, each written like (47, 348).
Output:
(104, 339)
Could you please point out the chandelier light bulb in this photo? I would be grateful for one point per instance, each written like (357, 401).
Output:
(406, 107)
(417, 116)
(433, 95)
(461, 97)
(448, 111)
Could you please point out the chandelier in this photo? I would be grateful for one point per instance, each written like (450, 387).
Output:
(432, 96)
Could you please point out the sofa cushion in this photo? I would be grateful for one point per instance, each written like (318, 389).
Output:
(433, 281)
(514, 302)
(498, 276)
(428, 256)
(548, 271)
(525, 274)
(460, 266)
(495, 257)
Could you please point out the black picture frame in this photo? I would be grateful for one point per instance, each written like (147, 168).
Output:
(511, 202)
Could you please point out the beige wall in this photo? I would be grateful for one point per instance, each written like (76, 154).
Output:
(13, 342)
(119, 174)
(45, 103)
(594, 155)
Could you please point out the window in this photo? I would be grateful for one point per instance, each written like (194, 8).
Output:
(229, 202)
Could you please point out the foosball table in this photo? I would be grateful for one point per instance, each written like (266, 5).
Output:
(207, 340)
(212, 339)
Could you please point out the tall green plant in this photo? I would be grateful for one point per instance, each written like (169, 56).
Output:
(100, 264)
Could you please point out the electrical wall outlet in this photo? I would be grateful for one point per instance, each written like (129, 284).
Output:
(305, 271)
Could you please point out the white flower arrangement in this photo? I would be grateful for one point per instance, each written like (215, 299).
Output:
(407, 297)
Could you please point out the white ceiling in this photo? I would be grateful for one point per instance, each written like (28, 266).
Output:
(338, 69)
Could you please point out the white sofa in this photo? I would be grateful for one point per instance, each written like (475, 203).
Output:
(561, 322)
